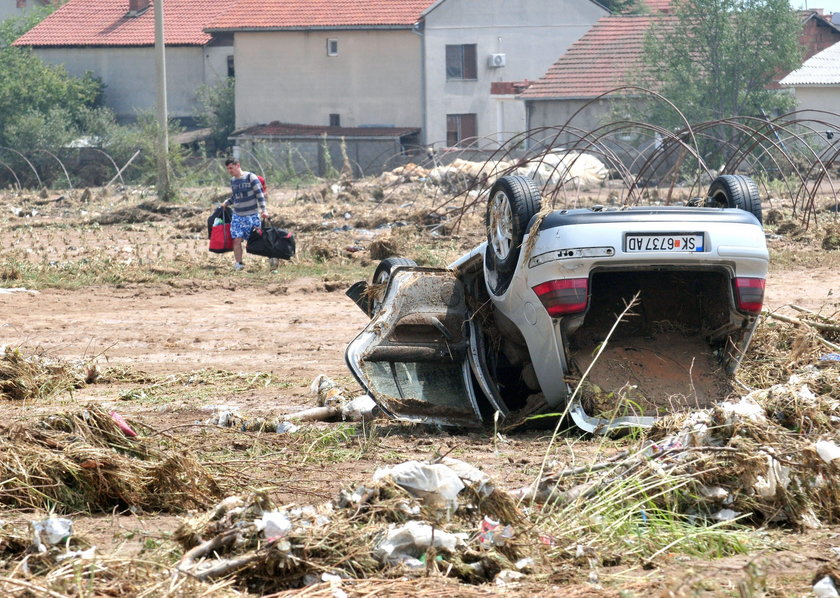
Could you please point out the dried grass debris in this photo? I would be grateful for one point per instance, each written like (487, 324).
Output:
(83, 461)
(39, 376)
(384, 247)
(779, 347)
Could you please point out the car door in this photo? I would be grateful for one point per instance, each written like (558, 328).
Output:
(413, 357)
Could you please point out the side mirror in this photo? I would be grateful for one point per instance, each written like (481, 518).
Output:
(358, 293)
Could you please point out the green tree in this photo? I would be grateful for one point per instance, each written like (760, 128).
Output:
(34, 95)
(218, 111)
(124, 141)
(715, 59)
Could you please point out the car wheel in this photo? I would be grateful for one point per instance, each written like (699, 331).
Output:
(381, 276)
(735, 191)
(513, 201)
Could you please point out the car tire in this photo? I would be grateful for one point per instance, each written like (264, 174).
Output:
(735, 191)
(381, 277)
(513, 201)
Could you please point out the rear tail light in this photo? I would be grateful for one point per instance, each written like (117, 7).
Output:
(563, 297)
(749, 294)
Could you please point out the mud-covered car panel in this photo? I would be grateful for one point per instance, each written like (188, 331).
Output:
(412, 358)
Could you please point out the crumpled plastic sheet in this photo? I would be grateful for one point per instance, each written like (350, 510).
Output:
(437, 485)
(50, 531)
(407, 543)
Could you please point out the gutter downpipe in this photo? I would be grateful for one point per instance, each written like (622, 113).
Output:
(417, 29)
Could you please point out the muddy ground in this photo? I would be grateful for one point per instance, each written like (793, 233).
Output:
(178, 311)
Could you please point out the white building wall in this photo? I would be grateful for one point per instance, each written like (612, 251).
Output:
(288, 77)
(510, 118)
(129, 75)
(823, 97)
(531, 34)
(216, 62)
(556, 113)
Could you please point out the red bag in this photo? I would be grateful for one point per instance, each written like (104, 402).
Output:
(219, 228)
(220, 239)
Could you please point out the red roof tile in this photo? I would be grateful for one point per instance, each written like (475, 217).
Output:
(601, 60)
(100, 23)
(294, 130)
(320, 14)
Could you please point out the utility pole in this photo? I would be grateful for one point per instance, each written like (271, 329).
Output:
(163, 186)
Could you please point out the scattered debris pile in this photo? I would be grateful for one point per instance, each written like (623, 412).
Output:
(459, 174)
(770, 456)
(782, 344)
(553, 168)
(48, 542)
(444, 516)
(145, 211)
(44, 556)
(89, 461)
(332, 405)
(37, 376)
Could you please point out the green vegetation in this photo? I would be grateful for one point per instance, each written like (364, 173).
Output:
(716, 60)
(218, 111)
(41, 105)
(640, 516)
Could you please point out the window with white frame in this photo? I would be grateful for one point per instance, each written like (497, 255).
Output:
(332, 47)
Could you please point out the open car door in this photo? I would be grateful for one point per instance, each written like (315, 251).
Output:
(413, 358)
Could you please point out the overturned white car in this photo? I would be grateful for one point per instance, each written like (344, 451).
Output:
(531, 320)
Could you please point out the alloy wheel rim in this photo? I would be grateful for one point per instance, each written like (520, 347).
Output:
(501, 226)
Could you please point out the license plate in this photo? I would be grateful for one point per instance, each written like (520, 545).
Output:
(675, 242)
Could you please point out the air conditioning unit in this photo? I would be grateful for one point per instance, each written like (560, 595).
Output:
(494, 61)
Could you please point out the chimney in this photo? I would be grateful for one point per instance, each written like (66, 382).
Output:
(137, 7)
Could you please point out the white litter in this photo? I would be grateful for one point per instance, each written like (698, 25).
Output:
(824, 588)
(725, 515)
(435, 484)
(406, 544)
(746, 408)
(507, 576)
(50, 531)
(286, 428)
(358, 409)
(274, 524)
(827, 450)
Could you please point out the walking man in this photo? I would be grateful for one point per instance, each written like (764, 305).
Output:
(248, 203)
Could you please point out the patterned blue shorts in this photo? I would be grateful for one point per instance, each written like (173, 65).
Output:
(241, 226)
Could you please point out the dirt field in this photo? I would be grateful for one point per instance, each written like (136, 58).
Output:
(190, 315)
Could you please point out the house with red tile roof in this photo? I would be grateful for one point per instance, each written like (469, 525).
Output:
(115, 41)
(425, 66)
(583, 83)
(580, 84)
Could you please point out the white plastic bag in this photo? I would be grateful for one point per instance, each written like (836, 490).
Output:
(435, 484)
(409, 542)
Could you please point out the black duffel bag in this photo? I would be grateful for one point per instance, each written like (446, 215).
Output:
(270, 241)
